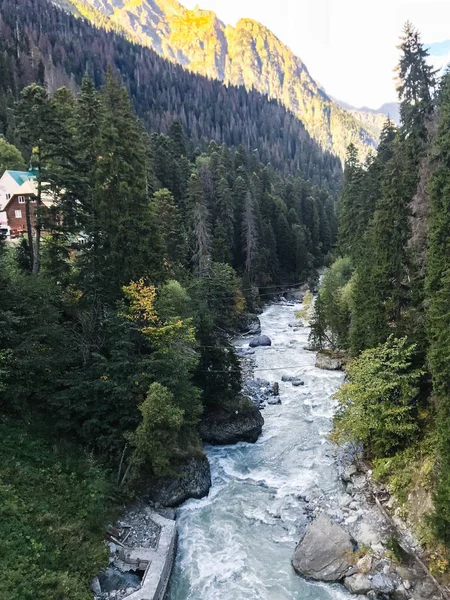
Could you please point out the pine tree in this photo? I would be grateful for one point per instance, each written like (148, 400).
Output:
(350, 204)
(36, 122)
(129, 245)
(223, 238)
(250, 236)
(200, 227)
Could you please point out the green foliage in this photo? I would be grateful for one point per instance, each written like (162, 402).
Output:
(54, 505)
(438, 320)
(155, 441)
(10, 157)
(377, 404)
(331, 319)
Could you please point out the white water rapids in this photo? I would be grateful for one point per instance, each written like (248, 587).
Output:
(237, 543)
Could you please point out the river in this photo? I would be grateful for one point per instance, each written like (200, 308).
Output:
(237, 543)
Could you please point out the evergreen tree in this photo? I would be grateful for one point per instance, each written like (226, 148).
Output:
(438, 293)
(200, 226)
(129, 244)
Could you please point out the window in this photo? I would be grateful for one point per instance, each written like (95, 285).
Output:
(21, 199)
(8, 196)
(18, 214)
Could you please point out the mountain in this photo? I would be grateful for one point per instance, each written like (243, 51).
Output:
(248, 54)
(374, 119)
(39, 42)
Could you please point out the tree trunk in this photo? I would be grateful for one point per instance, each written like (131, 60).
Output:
(37, 248)
(29, 231)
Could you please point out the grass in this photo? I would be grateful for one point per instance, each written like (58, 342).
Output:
(54, 505)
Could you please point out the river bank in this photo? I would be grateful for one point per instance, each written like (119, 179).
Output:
(237, 542)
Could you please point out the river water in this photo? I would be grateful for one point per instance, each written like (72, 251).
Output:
(237, 543)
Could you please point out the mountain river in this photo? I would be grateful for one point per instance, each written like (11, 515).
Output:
(237, 543)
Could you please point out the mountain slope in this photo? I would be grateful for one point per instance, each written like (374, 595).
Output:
(248, 54)
(40, 42)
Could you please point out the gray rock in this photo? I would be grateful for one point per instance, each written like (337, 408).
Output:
(95, 586)
(358, 584)
(239, 422)
(348, 473)
(325, 360)
(262, 340)
(274, 401)
(298, 383)
(193, 480)
(382, 583)
(322, 553)
(292, 379)
(296, 324)
(249, 324)
(425, 589)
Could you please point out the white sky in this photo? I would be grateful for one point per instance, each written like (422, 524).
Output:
(349, 46)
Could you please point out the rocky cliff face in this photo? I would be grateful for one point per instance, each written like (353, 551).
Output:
(248, 54)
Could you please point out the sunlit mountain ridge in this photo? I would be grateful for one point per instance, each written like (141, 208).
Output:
(248, 54)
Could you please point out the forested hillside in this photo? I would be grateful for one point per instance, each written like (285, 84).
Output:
(40, 42)
(385, 302)
(248, 54)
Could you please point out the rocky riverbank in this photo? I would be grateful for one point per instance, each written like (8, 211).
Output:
(351, 541)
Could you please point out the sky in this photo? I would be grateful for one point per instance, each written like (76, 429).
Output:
(349, 46)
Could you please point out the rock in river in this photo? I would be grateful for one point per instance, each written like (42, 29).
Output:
(249, 324)
(193, 480)
(262, 340)
(323, 552)
(328, 361)
(239, 421)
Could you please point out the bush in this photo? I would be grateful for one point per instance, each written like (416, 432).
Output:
(376, 405)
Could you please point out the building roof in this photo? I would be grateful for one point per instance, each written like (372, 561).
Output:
(30, 187)
(21, 177)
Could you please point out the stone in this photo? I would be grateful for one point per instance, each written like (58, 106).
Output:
(364, 564)
(292, 379)
(425, 589)
(274, 401)
(400, 592)
(262, 340)
(239, 421)
(192, 480)
(348, 473)
(298, 383)
(276, 389)
(323, 552)
(382, 583)
(296, 324)
(95, 586)
(328, 361)
(249, 324)
(358, 584)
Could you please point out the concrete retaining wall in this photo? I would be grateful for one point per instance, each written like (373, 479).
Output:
(157, 562)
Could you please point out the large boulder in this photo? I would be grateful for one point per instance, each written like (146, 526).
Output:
(329, 361)
(324, 551)
(192, 480)
(358, 584)
(249, 324)
(382, 583)
(262, 340)
(239, 421)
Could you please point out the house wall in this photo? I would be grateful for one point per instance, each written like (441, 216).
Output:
(7, 188)
(17, 215)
